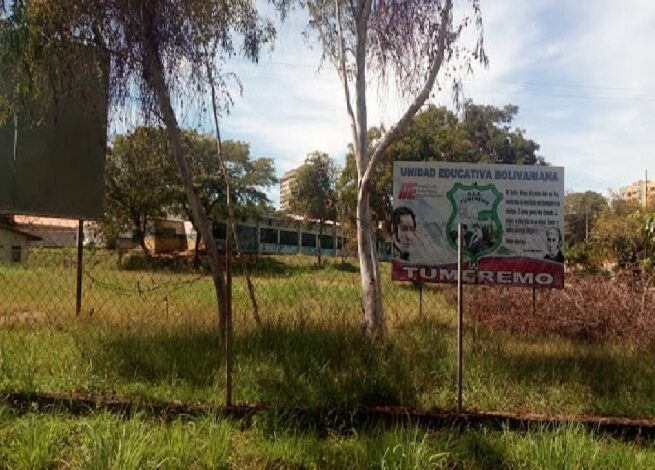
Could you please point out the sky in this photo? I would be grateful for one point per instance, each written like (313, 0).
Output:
(582, 74)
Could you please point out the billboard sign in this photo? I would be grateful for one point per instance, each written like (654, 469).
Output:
(52, 153)
(512, 220)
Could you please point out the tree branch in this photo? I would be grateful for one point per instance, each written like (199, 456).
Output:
(229, 191)
(343, 73)
(395, 132)
(361, 147)
(313, 9)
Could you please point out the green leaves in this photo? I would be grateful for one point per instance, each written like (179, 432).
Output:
(626, 234)
(482, 134)
(582, 209)
(143, 182)
(313, 193)
(649, 228)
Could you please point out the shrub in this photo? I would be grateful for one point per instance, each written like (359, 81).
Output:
(591, 307)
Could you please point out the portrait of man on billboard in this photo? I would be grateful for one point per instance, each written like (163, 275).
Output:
(403, 232)
(554, 245)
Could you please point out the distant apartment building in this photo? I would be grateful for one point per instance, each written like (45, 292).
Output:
(641, 191)
(285, 189)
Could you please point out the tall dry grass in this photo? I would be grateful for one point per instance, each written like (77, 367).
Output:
(619, 309)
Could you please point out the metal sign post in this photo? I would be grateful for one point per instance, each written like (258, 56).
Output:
(80, 260)
(460, 305)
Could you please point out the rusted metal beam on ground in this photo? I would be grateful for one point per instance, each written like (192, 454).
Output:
(339, 418)
(80, 404)
(438, 419)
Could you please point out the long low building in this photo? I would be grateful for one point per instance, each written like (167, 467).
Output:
(273, 235)
(265, 235)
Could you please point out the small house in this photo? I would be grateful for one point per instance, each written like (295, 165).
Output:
(52, 232)
(15, 244)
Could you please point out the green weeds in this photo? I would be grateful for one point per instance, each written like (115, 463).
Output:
(152, 335)
(103, 441)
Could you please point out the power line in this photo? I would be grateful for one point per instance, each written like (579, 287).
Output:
(567, 85)
(641, 99)
(564, 85)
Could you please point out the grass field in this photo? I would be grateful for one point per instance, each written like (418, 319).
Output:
(152, 334)
(103, 441)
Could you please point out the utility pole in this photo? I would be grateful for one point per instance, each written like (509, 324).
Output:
(646, 190)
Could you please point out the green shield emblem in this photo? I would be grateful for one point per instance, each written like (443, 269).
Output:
(476, 207)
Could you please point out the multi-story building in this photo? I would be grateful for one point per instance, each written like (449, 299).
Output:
(641, 191)
(285, 189)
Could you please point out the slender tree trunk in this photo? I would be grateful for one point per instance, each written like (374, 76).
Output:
(196, 251)
(155, 77)
(320, 236)
(230, 205)
(369, 271)
(366, 164)
(140, 233)
(368, 260)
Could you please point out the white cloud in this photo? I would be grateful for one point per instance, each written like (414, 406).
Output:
(582, 74)
(610, 55)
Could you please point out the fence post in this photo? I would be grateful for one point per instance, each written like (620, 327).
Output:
(460, 315)
(420, 299)
(299, 240)
(80, 260)
(534, 301)
(259, 237)
(228, 314)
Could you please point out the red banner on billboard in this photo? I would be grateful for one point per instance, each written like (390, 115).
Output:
(524, 272)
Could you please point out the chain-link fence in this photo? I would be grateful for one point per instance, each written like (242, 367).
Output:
(147, 328)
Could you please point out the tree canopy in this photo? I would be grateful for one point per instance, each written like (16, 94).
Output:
(313, 191)
(160, 52)
(623, 233)
(143, 182)
(139, 185)
(482, 133)
(582, 209)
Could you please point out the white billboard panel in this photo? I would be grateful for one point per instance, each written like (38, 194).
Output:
(512, 218)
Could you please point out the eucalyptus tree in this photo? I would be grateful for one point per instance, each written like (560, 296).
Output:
(159, 53)
(407, 43)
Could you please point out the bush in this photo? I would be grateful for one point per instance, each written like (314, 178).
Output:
(594, 308)
(136, 260)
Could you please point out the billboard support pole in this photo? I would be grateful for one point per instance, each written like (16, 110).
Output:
(80, 260)
(534, 300)
(460, 314)
(420, 299)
